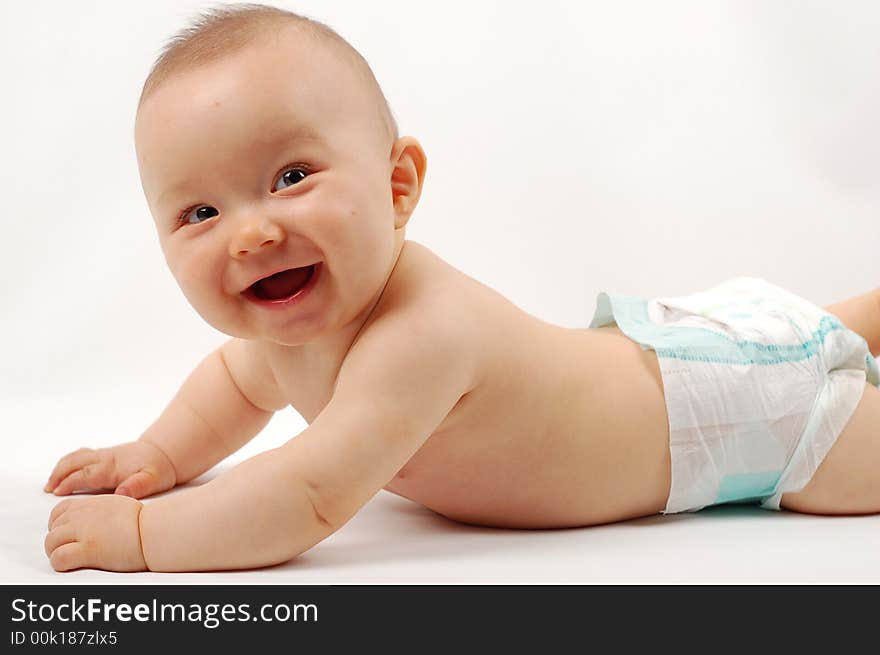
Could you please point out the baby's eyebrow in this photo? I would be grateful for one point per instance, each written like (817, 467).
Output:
(298, 133)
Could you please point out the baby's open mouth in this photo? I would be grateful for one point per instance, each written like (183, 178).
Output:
(284, 284)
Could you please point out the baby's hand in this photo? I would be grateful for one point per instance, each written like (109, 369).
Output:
(135, 469)
(96, 533)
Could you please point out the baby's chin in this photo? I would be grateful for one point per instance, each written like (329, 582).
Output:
(288, 337)
(238, 318)
(298, 332)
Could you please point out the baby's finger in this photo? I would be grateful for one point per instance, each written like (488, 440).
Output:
(73, 482)
(71, 462)
(88, 478)
(58, 510)
(58, 537)
(138, 485)
(61, 520)
(67, 557)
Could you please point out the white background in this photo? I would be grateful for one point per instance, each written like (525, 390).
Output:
(649, 148)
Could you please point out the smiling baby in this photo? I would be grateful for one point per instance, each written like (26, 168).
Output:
(281, 191)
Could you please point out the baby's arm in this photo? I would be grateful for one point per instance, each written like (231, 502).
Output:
(397, 384)
(212, 415)
(209, 418)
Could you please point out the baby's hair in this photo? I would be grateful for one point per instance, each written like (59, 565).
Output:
(224, 30)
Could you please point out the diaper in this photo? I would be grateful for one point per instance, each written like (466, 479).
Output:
(758, 382)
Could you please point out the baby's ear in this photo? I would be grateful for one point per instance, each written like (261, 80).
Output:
(408, 164)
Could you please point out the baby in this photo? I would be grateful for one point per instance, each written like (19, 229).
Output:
(281, 192)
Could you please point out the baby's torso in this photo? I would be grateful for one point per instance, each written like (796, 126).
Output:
(565, 427)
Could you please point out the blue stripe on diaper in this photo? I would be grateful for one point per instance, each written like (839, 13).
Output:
(873, 370)
(700, 344)
(744, 486)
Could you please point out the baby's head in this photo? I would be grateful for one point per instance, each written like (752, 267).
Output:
(264, 143)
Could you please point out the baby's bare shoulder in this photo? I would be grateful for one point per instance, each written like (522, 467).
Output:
(414, 358)
(425, 283)
(424, 310)
(430, 304)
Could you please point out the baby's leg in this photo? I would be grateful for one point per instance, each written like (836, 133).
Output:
(861, 315)
(848, 479)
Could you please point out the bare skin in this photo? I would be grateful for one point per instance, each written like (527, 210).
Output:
(413, 377)
(541, 441)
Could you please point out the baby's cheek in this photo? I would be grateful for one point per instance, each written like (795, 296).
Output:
(207, 296)
(198, 274)
(329, 218)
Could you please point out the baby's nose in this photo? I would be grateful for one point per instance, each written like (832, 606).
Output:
(254, 235)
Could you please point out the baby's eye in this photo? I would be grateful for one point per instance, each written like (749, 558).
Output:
(291, 176)
(202, 213)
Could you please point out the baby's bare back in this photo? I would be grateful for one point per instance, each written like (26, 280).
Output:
(565, 427)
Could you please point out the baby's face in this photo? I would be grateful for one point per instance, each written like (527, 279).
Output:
(271, 159)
